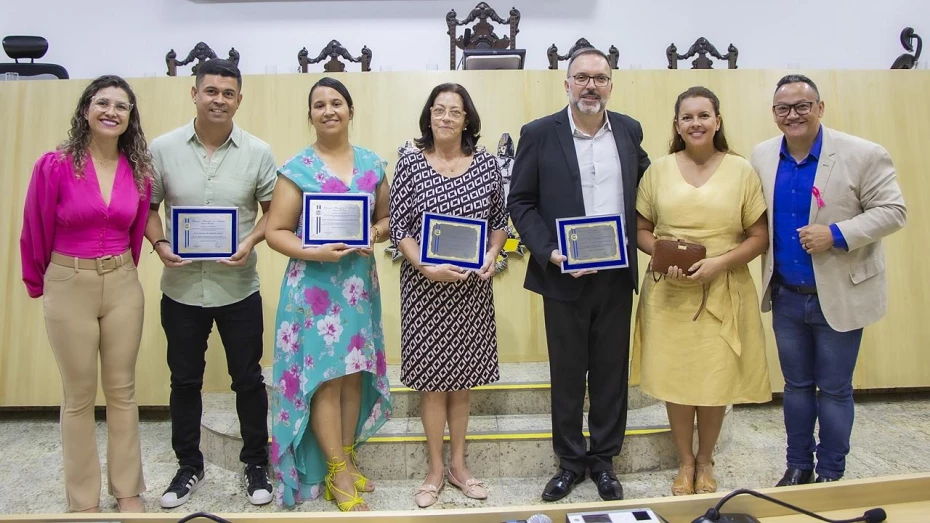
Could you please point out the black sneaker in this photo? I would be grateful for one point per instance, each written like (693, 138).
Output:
(185, 482)
(257, 485)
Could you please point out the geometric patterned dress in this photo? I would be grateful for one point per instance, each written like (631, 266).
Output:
(328, 325)
(448, 331)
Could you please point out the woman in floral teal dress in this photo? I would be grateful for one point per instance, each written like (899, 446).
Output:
(330, 390)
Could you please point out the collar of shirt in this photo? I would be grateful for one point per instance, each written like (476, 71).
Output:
(235, 136)
(577, 133)
(812, 156)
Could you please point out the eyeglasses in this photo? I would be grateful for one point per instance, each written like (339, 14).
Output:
(454, 113)
(801, 108)
(600, 80)
(104, 104)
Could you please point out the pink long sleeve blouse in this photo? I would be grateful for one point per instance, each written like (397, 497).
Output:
(67, 215)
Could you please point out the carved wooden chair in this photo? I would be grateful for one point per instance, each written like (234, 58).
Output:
(482, 35)
(201, 52)
(908, 60)
(613, 54)
(334, 50)
(701, 48)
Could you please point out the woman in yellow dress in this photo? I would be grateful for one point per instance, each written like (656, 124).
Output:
(701, 193)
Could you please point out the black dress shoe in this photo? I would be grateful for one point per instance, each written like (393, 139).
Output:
(821, 479)
(795, 476)
(561, 484)
(608, 486)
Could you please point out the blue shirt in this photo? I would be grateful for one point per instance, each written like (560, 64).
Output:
(794, 188)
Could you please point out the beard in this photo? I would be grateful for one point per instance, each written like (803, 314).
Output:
(585, 106)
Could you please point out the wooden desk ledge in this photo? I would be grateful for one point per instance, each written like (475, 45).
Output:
(905, 498)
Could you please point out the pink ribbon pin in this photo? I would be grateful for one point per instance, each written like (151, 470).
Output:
(816, 193)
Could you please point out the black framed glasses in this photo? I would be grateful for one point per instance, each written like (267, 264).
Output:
(600, 80)
(801, 108)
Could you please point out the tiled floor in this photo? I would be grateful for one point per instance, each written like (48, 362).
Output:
(892, 436)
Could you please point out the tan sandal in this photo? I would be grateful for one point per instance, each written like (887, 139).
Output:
(684, 482)
(130, 505)
(704, 482)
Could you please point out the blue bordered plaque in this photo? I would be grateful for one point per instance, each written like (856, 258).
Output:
(337, 218)
(592, 242)
(453, 240)
(204, 233)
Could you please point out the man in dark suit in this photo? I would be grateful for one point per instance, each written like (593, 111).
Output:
(582, 161)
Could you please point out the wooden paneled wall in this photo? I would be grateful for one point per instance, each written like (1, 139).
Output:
(889, 107)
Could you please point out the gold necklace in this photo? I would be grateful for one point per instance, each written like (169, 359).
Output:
(103, 163)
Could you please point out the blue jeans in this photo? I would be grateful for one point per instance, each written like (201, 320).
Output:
(814, 356)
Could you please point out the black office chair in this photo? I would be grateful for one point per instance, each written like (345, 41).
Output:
(30, 47)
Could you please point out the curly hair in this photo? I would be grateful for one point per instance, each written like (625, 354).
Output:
(131, 143)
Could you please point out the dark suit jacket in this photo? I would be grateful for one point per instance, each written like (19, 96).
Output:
(546, 184)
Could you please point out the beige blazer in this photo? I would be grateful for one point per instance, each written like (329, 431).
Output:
(857, 182)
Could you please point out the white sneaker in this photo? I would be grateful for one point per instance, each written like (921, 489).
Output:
(258, 487)
(185, 482)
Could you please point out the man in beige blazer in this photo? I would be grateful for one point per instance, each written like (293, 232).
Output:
(831, 197)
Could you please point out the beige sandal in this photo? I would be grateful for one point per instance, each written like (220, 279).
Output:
(130, 505)
(704, 482)
(684, 482)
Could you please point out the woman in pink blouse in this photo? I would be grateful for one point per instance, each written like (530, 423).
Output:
(85, 213)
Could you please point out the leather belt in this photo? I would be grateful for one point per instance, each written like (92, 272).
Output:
(102, 265)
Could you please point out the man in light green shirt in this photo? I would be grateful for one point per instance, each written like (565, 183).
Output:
(212, 162)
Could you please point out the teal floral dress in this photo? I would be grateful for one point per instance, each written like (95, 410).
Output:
(328, 325)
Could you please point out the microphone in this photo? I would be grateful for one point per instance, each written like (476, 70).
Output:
(875, 515)
(536, 518)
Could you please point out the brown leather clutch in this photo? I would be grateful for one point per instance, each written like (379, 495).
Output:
(676, 253)
(681, 254)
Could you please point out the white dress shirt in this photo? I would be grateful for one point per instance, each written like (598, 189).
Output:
(599, 165)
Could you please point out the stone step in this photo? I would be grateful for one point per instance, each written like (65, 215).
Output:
(498, 445)
(523, 389)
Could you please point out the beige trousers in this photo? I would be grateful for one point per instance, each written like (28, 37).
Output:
(91, 311)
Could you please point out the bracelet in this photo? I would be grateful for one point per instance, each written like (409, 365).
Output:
(376, 234)
(155, 245)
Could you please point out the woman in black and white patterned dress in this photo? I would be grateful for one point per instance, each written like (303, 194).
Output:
(448, 332)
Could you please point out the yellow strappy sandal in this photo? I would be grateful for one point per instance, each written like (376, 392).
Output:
(354, 499)
(362, 483)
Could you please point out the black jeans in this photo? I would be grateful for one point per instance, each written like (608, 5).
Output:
(187, 328)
